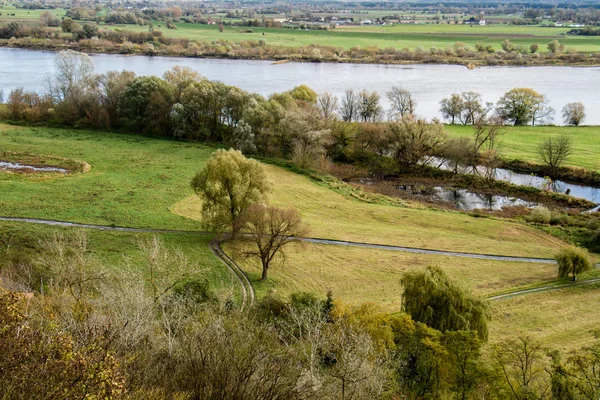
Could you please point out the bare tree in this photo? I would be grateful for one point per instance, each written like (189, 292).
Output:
(350, 106)
(574, 113)
(402, 102)
(485, 146)
(270, 229)
(473, 109)
(327, 104)
(74, 73)
(554, 151)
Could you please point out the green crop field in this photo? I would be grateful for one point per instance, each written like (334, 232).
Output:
(397, 36)
(26, 14)
(521, 142)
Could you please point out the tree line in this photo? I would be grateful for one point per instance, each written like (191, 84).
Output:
(298, 124)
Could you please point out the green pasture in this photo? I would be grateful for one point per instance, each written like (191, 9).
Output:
(521, 142)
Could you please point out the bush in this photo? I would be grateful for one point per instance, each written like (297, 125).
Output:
(540, 215)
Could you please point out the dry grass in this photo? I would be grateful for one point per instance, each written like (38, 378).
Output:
(357, 275)
(337, 216)
(560, 319)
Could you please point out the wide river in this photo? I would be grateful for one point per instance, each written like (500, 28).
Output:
(428, 83)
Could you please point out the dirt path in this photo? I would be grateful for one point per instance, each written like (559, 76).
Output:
(246, 286)
(544, 289)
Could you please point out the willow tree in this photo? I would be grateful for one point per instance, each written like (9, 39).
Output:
(432, 298)
(572, 261)
(228, 185)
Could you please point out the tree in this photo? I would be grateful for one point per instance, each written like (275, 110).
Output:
(555, 46)
(145, 105)
(67, 25)
(327, 104)
(412, 139)
(369, 109)
(270, 229)
(554, 151)
(573, 113)
(228, 185)
(572, 261)
(451, 108)
(472, 108)
(180, 78)
(521, 106)
(520, 363)
(401, 101)
(430, 297)
(508, 46)
(243, 138)
(74, 73)
(533, 48)
(304, 93)
(350, 106)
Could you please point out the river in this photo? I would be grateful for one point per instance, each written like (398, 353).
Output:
(428, 83)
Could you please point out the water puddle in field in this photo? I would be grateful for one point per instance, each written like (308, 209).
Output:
(464, 199)
(586, 192)
(4, 165)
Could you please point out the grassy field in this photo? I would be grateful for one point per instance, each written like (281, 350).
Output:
(25, 14)
(138, 181)
(331, 214)
(133, 180)
(520, 142)
(358, 275)
(561, 319)
(398, 36)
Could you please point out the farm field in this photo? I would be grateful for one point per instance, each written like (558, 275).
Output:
(399, 36)
(520, 142)
(26, 14)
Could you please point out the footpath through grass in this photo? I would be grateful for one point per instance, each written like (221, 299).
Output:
(521, 142)
(334, 215)
(357, 275)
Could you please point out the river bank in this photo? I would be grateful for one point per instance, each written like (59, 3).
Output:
(314, 54)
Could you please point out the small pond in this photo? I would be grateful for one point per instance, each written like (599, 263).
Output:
(464, 199)
(29, 168)
(586, 192)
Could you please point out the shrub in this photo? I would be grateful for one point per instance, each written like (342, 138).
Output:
(540, 215)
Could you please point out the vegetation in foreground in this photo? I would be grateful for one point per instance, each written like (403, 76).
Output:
(112, 337)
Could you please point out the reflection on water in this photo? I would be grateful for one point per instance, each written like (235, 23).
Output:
(17, 166)
(466, 200)
(589, 193)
